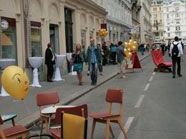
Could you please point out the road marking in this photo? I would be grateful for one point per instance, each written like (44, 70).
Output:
(127, 126)
(147, 87)
(151, 78)
(139, 102)
(153, 73)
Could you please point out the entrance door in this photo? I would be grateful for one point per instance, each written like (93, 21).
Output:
(54, 37)
(69, 30)
(68, 33)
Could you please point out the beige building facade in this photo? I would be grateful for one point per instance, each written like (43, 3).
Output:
(157, 21)
(145, 22)
(38, 22)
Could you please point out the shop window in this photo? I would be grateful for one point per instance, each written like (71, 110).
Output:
(36, 47)
(8, 46)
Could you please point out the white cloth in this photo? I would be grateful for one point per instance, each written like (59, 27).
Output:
(53, 56)
(179, 48)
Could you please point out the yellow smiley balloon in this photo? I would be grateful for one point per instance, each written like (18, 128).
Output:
(15, 82)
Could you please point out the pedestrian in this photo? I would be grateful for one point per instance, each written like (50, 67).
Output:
(92, 59)
(181, 44)
(105, 53)
(113, 53)
(100, 66)
(175, 52)
(121, 59)
(49, 61)
(77, 61)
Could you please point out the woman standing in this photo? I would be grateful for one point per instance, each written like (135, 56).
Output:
(78, 59)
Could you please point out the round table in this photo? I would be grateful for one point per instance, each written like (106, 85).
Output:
(59, 63)
(52, 110)
(5, 62)
(35, 62)
(69, 57)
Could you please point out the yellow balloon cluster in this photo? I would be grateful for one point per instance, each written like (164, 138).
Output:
(130, 47)
(102, 32)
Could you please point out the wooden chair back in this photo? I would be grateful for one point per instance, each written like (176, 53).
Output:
(81, 110)
(47, 98)
(114, 96)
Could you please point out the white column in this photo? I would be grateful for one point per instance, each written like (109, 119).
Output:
(77, 27)
(20, 41)
(87, 30)
(62, 40)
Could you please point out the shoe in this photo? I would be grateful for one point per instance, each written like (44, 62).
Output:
(93, 84)
(179, 75)
(80, 83)
(173, 76)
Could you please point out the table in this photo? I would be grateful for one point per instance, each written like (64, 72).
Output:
(35, 62)
(69, 57)
(59, 63)
(52, 110)
(5, 62)
(9, 117)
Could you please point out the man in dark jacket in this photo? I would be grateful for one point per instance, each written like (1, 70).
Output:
(176, 52)
(49, 61)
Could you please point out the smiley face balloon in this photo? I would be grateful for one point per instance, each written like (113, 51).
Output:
(15, 82)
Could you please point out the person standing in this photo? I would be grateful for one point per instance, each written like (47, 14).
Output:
(77, 61)
(121, 59)
(175, 52)
(49, 61)
(113, 53)
(100, 66)
(92, 59)
(105, 53)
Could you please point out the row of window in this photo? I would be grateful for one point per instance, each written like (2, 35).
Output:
(177, 28)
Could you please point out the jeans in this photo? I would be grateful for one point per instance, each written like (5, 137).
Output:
(176, 60)
(93, 73)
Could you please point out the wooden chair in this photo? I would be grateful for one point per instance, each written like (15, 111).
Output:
(112, 96)
(44, 99)
(14, 132)
(80, 110)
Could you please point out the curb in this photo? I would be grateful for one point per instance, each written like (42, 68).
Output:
(75, 96)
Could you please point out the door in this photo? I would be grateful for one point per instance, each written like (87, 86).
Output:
(54, 37)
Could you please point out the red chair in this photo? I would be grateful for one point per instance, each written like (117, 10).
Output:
(81, 110)
(14, 132)
(44, 99)
(112, 96)
(159, 61)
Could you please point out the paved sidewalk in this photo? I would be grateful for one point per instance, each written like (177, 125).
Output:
(68, 90)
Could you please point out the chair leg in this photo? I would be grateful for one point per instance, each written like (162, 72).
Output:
(24, 136)
(111, 131)
(93, 127)
(107, 129)
(123, 129)
(41, 131)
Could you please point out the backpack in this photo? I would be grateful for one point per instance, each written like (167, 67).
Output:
(175, 50)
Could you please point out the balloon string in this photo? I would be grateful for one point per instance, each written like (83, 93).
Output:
(26, 107)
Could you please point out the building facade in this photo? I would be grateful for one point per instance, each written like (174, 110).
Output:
(32, 25)
(175, 20)
(157, 21)
(119, 19)
(145, 22)
(136, 20)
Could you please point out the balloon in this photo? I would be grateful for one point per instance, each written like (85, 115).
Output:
(15, 82)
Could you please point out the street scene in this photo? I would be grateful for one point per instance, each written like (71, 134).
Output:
(92, 69)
